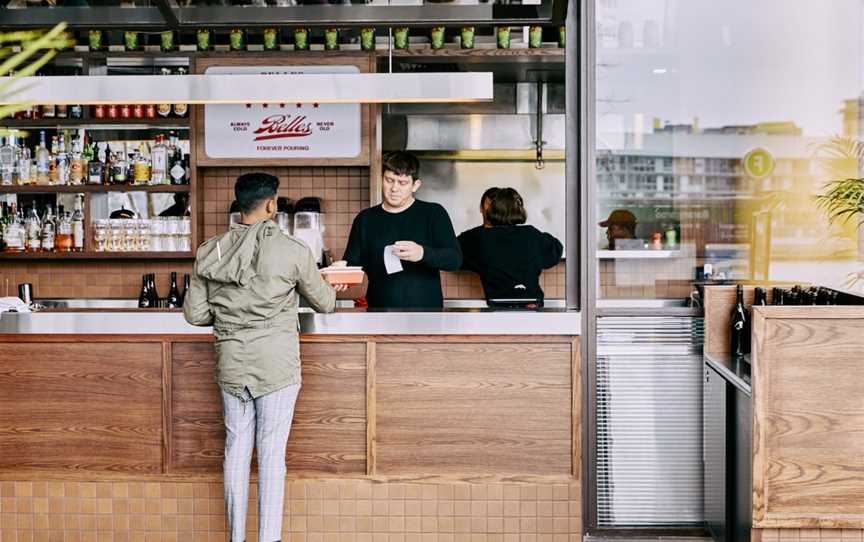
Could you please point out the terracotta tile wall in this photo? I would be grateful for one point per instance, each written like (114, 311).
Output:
(315, 511)
(632, 284)
(344, 190)
(823, 535)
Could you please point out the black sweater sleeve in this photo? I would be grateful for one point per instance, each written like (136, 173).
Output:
(468, 244)
(550, 250)
(443, 251)
(354, 249)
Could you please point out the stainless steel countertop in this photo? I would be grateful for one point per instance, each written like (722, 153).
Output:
(350, 322)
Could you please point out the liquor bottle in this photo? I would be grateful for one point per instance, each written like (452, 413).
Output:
(43, 157)
(159, 157)
(62, 162)
(78, 225)
(63, 239)
(7, 160)
(24, 166)
(760, 298)
(144, 296)
(48, 230)
(164, 110)
(740, 324)
(15, 235)
(178, 167)
(76, 163)
(777, 296)
(52, 161)
(141, 165)
(186, 280)
(120, 166)
(181, 110)
(173, 299)
(153, 292)
(33, 231)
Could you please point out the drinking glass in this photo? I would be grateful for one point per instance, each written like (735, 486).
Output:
(130, 235)
(100, 234)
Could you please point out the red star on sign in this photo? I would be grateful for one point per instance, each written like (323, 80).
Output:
(315, 106)
(299, 106)
(248, 106)
(282, 106)
(265, 106)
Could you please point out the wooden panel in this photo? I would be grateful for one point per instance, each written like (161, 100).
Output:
(329, 430)
(479, 408)
(719, 302)
(364, 61)
(808, 376)
(86, 407)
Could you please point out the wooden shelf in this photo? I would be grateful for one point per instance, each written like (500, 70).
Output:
(96, 256)
(92, 188)
(486, 54)
(120, 124)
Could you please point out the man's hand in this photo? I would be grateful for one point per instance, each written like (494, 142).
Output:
(408, 250)
(340, 287)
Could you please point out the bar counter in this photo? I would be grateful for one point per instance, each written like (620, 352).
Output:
(449, 321)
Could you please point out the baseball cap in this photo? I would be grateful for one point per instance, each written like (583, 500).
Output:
(619, 216)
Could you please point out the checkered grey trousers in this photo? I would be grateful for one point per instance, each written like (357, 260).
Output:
(266, 423)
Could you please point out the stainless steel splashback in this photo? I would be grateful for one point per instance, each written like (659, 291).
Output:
(481, 132)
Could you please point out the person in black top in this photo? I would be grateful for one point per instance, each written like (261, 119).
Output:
(508, 255)
(417, 235)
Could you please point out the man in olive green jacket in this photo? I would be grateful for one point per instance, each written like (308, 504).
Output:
(246, 284)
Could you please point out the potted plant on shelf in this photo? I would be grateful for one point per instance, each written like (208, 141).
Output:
(842, 199)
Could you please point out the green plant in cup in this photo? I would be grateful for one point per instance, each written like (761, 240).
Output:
(166, 41)
(437, 37)
(203, 39)
(535, 37)
(400, 37)
(130, 40)
(331, 39)
(301, 39)
(95, 38)
(562, 36)
(367, 39)
(237, 40)
(271, 39)
(467, 37)
(503, 37)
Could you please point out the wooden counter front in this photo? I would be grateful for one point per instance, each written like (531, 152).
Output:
(398, 407)
(808, 434)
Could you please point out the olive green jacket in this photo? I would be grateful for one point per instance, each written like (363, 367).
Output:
(245, 284)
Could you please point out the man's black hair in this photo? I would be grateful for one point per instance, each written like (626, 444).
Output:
(252, 189)
(401, 163)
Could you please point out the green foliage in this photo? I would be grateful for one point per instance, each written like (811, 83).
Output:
(22, 54)
(843, 199)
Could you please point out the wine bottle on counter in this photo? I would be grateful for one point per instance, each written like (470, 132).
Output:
(760, 297)
(153, 293)
(173, 300)
(740, 332)
(144, 296)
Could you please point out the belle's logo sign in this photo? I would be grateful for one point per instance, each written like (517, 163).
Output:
(281, 126)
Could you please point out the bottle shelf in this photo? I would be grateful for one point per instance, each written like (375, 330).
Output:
(104, 124)
(96, 255)
(92, 188)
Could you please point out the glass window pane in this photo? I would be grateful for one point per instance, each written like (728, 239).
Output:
(711, 123)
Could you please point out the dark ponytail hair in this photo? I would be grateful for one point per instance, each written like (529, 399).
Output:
(506, 208)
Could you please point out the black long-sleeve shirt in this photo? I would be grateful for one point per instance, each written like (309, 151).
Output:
(509, 259)
(418, 285)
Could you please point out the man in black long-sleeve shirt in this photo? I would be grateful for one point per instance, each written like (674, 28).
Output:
(420, 234)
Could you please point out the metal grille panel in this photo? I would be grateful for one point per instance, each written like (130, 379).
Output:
(649, 421)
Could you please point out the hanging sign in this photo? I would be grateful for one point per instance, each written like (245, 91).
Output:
(282, 130)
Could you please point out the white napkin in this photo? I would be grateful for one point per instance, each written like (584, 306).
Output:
(392, 263)
(13, 304)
